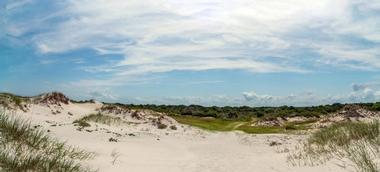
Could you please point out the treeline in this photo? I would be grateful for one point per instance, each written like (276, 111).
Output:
(245, 112)
(241, 112)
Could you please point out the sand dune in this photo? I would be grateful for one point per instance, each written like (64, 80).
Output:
(138, 145)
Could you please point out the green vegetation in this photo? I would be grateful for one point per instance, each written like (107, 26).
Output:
(23, 148)
(98, 118)
(207, 123)
(241, 118)
(299, 125)
(372, 106)
(215, 124)
(357, 142)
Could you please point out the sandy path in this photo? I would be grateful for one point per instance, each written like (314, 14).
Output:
(221, 152)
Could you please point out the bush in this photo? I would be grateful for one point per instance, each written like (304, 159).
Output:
(173, 127)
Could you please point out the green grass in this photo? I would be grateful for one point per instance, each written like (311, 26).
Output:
(215, 124)
(299, 125)
(356, 142)
(343, 134)
(23, 148)
(207, 123)
(260, 130)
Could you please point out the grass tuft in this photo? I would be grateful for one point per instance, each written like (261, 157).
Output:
(358, 142)
(23, 148)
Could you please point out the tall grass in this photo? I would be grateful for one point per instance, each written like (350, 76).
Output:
(23, 148)
(352, 143)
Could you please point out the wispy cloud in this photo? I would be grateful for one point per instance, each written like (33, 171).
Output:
(103, 95)
(17, 4)
(158, 36)
(50, 60)
(257, 36)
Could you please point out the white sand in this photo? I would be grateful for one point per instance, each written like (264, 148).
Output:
(183, 150)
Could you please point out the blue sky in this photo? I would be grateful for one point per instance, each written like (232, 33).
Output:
(209, 52)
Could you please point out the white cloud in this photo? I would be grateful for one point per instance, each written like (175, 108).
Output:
(249, 96)
(102, 95)
(367, 92)
(17, 4)
(50, 61)
(156, 36)
(213, 100)
(163, 36)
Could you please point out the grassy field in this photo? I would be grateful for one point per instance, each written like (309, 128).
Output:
(215, 124)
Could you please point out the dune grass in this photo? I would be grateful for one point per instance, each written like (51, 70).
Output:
(353, 143)
(8, 100)
(215, 124)
(98, 118)
(23, 148)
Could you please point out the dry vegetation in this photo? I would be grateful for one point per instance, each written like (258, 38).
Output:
(23, 148)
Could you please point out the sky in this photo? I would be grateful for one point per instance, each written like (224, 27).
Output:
(207, 52)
